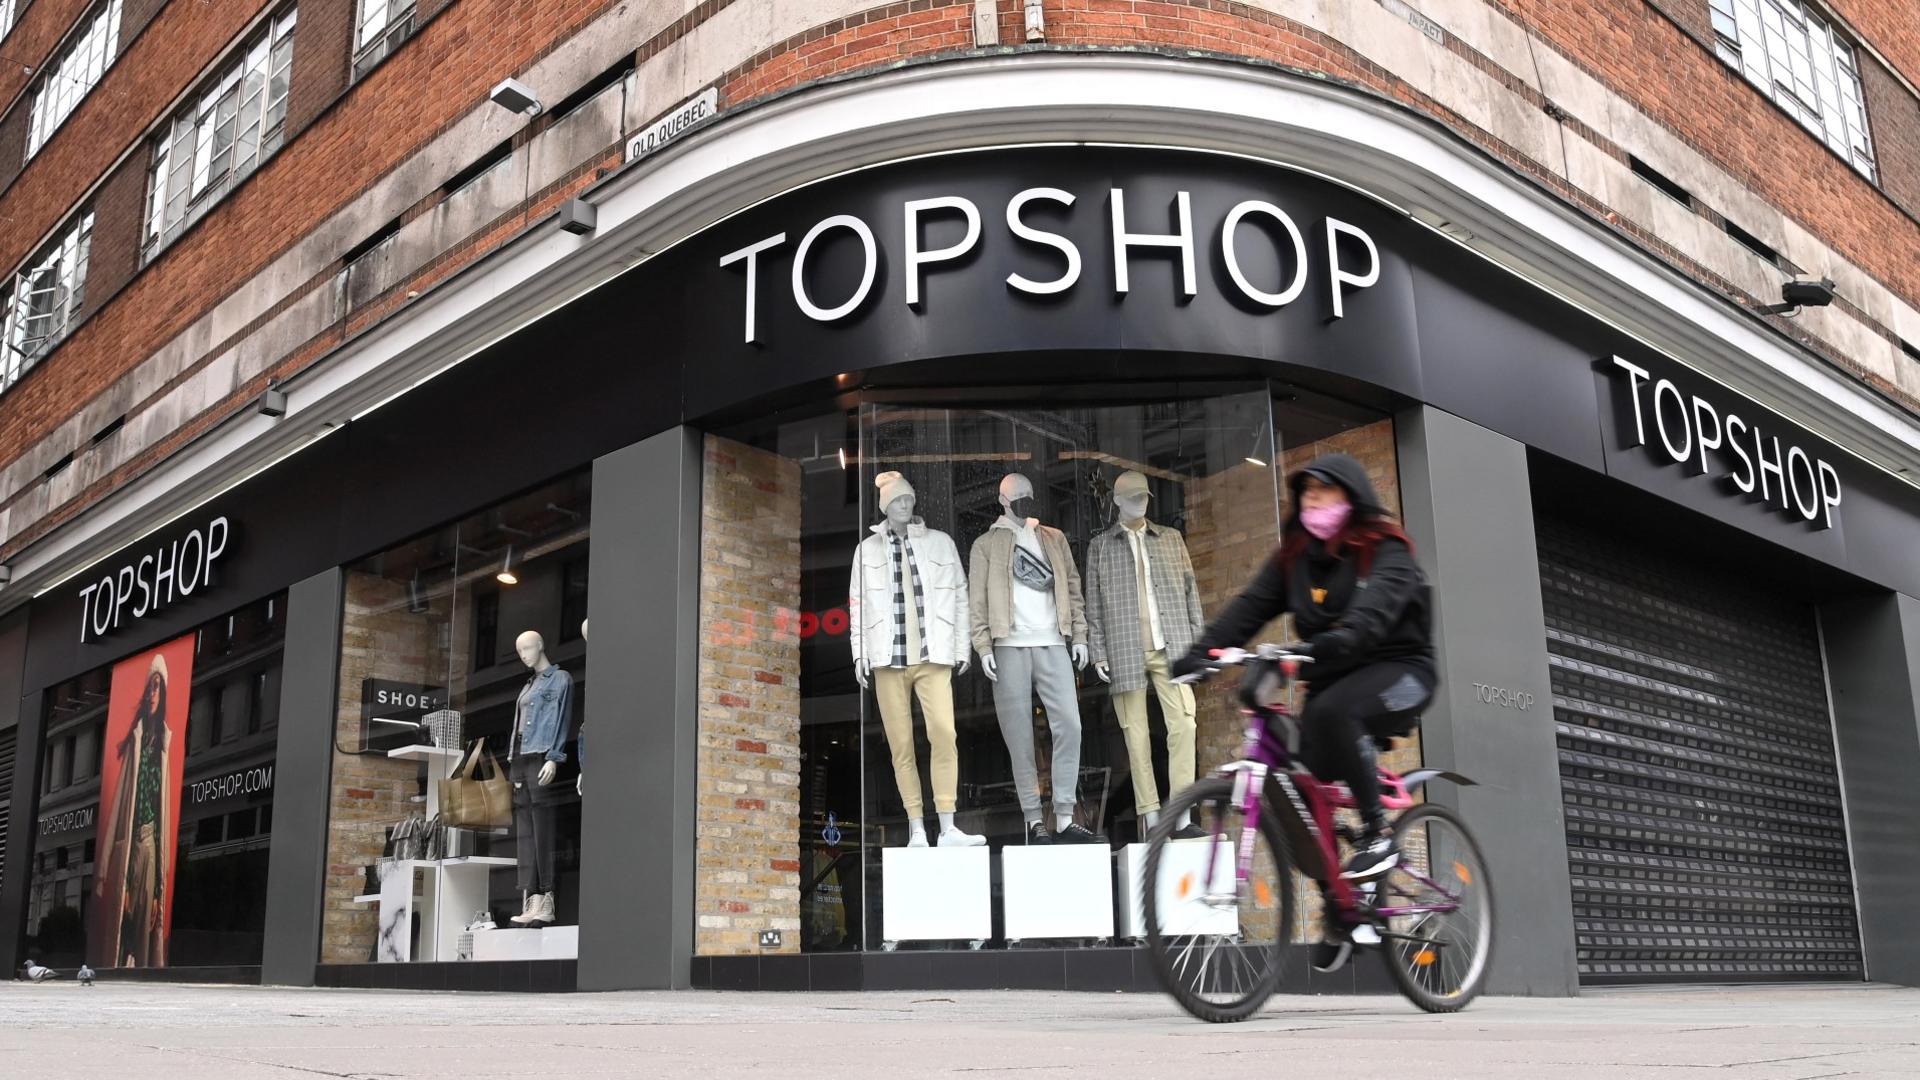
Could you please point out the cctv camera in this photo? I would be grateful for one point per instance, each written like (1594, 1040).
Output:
(1812, 292)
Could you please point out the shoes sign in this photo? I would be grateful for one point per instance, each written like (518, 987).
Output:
(702, 106)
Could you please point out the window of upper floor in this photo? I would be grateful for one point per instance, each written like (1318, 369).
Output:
(379, 28)
(8, 8)
(237, 121)
(66, 80)
(1795, 57)
(38, 304)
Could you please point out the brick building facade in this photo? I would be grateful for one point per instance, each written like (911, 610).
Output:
(299, 259)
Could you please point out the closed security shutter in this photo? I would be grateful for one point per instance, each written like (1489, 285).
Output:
(1705, 835)
(6, 793)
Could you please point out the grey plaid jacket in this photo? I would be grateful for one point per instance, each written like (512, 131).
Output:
(1113, 602)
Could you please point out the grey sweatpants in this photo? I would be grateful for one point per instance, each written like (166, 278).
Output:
(1047, 671)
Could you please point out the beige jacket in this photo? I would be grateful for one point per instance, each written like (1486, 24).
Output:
(990, 586)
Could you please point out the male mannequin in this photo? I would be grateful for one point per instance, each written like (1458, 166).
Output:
(907, 613)
(1143, 607)
(1027, 611)
(542, 721)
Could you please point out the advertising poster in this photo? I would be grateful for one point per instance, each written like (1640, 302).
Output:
(143, 760)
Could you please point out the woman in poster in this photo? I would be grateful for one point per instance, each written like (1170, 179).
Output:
(136, 866)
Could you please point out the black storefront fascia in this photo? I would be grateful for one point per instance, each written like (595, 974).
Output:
(621, 377)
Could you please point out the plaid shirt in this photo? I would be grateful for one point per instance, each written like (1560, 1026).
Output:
(1113, 601)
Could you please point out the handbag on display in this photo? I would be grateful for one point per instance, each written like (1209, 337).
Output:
(473, 803)
(444, 727)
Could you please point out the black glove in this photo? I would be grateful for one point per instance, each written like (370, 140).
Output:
(1194, 662)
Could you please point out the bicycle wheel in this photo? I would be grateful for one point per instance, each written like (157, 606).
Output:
(1437, 905)
(1218, 943)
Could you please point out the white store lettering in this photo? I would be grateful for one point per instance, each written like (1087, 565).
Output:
(1787, 479)
(152, 582)
(1130, 234)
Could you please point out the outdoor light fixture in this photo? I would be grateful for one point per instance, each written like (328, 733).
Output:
(1801, 292)
(514, 96)
(272, 402)
(578, 217)
(6, 573)
(506, 576)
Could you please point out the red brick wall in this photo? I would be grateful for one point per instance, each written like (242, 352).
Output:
(1893, 115)
(1889, 25)
(118, 210)
(322, 60)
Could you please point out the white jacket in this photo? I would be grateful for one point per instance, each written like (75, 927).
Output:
(942, 581)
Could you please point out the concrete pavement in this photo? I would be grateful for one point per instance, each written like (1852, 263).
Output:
(240, 1033)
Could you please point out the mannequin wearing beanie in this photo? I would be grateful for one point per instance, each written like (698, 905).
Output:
(907, 621)
(1143, 612)
(1030, 629)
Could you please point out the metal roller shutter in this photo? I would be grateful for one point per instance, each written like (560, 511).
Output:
(7, 743)
(1705, 835)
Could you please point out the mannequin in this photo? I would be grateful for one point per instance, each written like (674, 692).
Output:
(1143, 609)
(580, 741)
(907, 609)
(1028, 619)
(542, 722)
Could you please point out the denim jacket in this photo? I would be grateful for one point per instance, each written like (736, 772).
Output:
(548, 707)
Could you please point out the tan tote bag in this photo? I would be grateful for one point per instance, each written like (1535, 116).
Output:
(471, 803)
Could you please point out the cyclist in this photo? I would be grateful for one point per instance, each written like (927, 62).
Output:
(1345, 571)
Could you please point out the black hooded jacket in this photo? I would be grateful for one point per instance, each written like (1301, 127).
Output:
(1350, 619)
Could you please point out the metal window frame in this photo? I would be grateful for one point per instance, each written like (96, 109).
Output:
(94, 40)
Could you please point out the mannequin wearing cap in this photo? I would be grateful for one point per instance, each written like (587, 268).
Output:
(542, 723)
(907, 619)
(1029, 618)
(1143, 609)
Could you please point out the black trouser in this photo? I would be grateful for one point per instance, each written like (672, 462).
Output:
(534, 833)
(1342, 718)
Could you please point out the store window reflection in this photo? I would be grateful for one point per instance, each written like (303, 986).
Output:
(860, 567)
(151, 845)
(457, 774)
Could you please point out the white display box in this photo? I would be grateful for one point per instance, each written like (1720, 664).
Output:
(936, 894)
(1185, 860)
(1057, 891)
(539, 943)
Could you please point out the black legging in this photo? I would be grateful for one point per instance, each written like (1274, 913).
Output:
(1342, 717)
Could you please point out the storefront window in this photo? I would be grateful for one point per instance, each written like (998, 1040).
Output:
(837, 724)
(151, 846)
(455, 828)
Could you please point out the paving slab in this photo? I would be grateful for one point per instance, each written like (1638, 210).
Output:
(160, 1032)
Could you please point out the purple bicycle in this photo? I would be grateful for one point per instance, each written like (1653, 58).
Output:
(1220, 909)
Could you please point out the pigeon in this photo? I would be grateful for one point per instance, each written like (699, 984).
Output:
(40, 974)
(86, 975)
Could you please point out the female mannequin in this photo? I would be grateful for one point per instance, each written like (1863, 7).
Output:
(542, 723)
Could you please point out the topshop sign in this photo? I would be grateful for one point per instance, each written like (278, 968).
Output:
(1354, 264)
(1713, 440)
(156, 580)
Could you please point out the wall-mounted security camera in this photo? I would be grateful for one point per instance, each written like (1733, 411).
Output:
(514, 96)
(1801, 292)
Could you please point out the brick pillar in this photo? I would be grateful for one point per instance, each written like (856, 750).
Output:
(748, 855)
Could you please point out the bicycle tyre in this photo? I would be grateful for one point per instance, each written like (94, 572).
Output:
(1404, 974)
(1216, 794)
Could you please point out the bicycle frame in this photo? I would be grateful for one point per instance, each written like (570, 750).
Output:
(1267, 759)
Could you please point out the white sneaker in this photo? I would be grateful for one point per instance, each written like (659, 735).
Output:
(530, 903)
(542, 909)
(956, 838)
(917, 838)
(1365, 935)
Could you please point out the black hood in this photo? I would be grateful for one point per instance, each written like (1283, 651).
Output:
(1343, 470)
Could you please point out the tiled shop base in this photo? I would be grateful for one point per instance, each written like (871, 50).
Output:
(1100, 970)
(518, 976)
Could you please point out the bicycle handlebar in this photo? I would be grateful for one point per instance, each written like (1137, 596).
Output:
(1287, 656)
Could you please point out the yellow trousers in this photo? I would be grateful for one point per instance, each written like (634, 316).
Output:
(1176, 706)
(895, 689)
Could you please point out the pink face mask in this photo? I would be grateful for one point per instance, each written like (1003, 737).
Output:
(1325, 522)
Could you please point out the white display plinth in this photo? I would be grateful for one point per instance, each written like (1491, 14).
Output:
(1057, 891)
(936, 894)
(541, 943)
(1185, 861)
(446, 894)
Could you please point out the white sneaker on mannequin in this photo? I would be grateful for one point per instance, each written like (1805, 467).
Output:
(955, 838)
(917, 834)
(529, 902)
